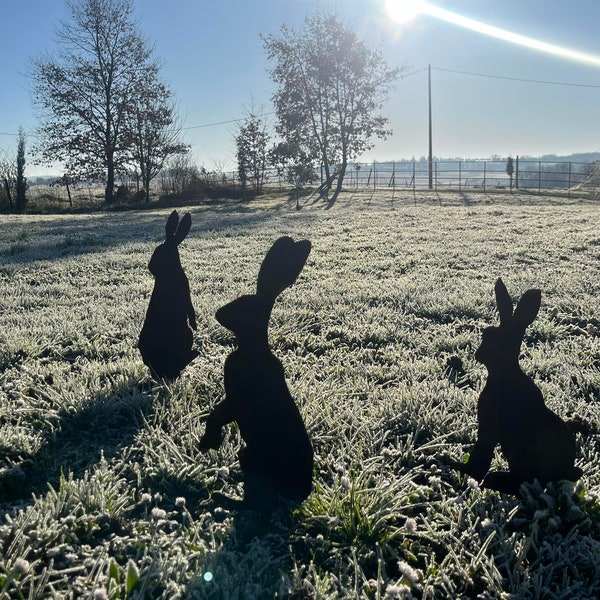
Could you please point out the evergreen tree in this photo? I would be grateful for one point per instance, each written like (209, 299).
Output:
(21, 181)
(510, 169)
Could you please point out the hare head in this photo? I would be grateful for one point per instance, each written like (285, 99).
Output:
(165, 259)
(247, 317)
(500, 345)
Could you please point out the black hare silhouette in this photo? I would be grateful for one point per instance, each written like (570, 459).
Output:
(511, 411)
(277, 459)
(166, 338)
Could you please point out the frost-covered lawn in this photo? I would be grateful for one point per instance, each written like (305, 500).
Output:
(101, 482)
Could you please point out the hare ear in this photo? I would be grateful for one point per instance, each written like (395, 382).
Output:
(281, 266)
(503, 302)
(183, 229)
(527, 308)
(172, 223)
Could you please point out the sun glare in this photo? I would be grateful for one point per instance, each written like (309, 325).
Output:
(404, 10)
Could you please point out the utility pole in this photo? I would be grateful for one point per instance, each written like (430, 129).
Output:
(430, 135)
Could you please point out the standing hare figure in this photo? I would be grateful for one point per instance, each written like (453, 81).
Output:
(511, 411)
(277, 459)
(166, 338)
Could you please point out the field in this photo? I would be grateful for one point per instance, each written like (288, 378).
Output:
(103, 490)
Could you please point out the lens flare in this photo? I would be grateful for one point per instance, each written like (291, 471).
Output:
(404, 10)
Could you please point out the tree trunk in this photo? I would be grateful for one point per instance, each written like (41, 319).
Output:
(327, 175)
(8, 194)
(110, 177)
(146, 184)
(340, 181)
(69, 192)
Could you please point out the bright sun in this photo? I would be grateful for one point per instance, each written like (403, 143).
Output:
(404, 10)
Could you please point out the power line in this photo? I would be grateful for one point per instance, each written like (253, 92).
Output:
(538, 81)
(486, 75)
(182, 128)
(413, 73)
(225, 122)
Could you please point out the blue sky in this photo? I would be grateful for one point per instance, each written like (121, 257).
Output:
(214, 61)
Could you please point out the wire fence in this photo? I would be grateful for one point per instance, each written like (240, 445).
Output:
(469, 174)
(530, 175)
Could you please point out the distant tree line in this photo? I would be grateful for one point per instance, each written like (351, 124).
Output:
(107, 116)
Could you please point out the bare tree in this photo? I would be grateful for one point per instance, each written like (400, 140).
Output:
(8, 178)
(88, 94)
(155, 134)
(178, 174)
(330, 89)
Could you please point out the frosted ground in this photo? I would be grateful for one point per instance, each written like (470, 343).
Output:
(102, 485)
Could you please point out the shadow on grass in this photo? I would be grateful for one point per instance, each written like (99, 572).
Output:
(59, 237)
(250, 563)
(467, 199)
(75, 439)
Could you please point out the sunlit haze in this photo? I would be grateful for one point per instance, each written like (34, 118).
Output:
(510, 77)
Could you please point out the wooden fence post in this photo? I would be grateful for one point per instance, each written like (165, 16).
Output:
(484, 173)
(374, 176)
